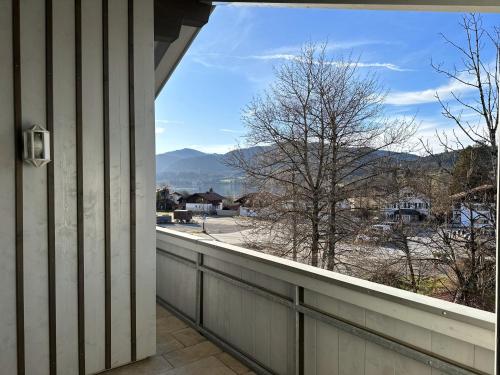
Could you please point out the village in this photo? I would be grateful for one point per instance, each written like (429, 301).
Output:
(473, 208)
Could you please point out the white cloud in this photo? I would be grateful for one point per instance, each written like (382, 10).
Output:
(159, 130)
(234, 131)
(428, 95)
(290, 57)
(333, 46)
(382, 65)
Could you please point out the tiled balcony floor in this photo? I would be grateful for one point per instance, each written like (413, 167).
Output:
(180, 350)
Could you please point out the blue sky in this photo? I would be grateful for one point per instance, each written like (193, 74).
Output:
(232, 60)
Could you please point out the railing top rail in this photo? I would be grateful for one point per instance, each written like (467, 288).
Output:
(305, 274)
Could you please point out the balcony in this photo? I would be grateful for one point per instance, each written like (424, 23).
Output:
(280, 317)
(181, 350)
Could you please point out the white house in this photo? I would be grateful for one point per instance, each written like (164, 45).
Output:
(407, 205)
(201, 207)
(253, 203)
(475, 207)
(208, 202)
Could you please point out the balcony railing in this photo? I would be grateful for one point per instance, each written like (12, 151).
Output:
(282, 317)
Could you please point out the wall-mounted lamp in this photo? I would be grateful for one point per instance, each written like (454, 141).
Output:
(36, 146)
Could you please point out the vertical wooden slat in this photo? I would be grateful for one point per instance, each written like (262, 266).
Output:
(16, 44)
(79, 183)
(93, 185)
(65, 186)
(35, 223)
(299, 332)
(131, 108)
(8, 357)
(145, 271)
(49, 113)
(107, 204)
(119, 177)
(199, 290)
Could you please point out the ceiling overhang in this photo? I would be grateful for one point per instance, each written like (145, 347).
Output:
(177, 22)
(483, 6)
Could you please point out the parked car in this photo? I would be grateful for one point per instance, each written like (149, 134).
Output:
(164, 219)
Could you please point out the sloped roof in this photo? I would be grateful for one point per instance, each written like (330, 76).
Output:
(260, 199)
(209, 196)
(478, 189)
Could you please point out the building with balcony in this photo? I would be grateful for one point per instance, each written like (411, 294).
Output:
(84, 267)
(407, 206)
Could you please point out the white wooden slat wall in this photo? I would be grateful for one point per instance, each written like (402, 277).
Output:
(145, 176)
(93, 183)
(36, 320)
(65, 187)
(119, 183)
(7, 196)
(35, 186)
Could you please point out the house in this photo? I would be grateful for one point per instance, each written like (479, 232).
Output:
(163, 202)
(251, 203)
(166, 201)
(371, 203)
(407, 205)
(176, 197)
(208, 202)
(475, 207)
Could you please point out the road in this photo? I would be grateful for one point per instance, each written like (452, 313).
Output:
(230, 230)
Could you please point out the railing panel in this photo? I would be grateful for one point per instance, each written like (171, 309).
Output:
(281, 317)
(269, 283)
(255, 325)
(178, 248)
(176, 283)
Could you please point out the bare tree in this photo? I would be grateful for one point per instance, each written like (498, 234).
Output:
(358, 138)
(395, 255)
(463, 249)
(476, 117)
(323, 129)
(467, 260)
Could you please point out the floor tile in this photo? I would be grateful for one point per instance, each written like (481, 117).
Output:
(162, 313)
(167, 346)
(179, 358)
(169, 324)
(206, 366)
(232, 363)
(188, 336)
(150, 366)
(181, 350)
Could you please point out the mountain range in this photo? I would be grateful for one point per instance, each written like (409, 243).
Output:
(192, 170)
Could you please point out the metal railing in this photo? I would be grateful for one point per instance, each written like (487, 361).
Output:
(214, 287)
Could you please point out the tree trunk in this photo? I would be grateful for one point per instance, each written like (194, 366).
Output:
(332, 230)
(294, 238)
(315, 232)
(409, 262)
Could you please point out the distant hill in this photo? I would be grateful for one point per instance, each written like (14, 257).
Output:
(164, 161)
(193, 161)
(193, 171)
